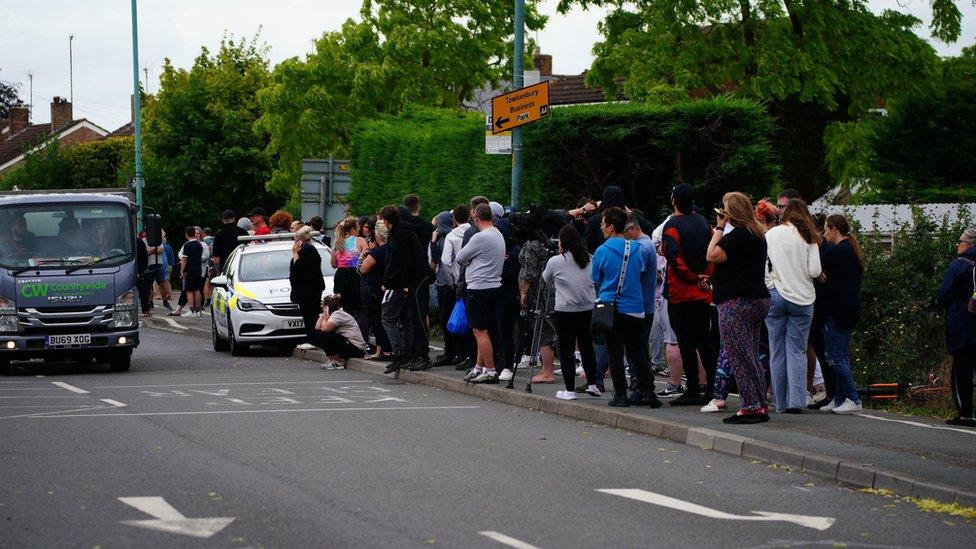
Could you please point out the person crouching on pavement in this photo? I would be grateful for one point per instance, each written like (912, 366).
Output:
(337, 333)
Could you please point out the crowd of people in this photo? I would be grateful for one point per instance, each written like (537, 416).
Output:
(760, 301)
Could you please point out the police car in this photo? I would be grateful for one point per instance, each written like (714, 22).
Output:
(250, 304)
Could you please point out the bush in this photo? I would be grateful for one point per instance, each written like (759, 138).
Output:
(99, 164)
(719, 145)
(899, 337)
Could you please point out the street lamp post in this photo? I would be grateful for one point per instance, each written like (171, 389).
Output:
(138, 182)
(517, 82)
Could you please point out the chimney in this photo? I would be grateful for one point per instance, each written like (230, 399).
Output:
(61, 114)
(542, 63)
(19, 116)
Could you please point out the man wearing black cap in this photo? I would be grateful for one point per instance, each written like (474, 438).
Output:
(226, 238)
(259, 221)
(685, 243)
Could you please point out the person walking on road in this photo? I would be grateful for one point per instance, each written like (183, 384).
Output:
(793, 263)
(957, 292)
(569, 273)
(306, 279)
(738, 251)
(839, 305)
(484, 256)
(615, 260)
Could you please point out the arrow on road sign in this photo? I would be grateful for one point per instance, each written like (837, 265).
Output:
(170, 520)
(501, 122)
(817, 523)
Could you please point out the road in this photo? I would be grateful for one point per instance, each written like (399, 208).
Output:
(297, 457)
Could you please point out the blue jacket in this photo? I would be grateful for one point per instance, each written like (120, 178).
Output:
(953, 294)
(606, 273)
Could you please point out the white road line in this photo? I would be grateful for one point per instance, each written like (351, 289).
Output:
(237, 383)
(919, 424)
(507, 540)
(5, 382)
(174, 324)
(221, 412)
(817, 523)
(111, 402)
(71, 388)
(33, 397)
(48, 414)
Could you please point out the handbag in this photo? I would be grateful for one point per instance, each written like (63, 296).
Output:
(458, 322)
(971, 304)
(601, 322)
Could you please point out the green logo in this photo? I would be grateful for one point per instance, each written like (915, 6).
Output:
(34, 290)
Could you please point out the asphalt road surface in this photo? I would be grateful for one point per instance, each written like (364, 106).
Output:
(198, 449)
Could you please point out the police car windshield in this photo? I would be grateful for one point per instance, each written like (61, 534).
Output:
(55, 235)
(273, 265)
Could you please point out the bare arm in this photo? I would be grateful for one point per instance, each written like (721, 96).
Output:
(715, 252)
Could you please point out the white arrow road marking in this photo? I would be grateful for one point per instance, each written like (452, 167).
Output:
(174, 324)
(507, 540)
(172, 521)
(817, 523)
(71, 388)
(115, 403)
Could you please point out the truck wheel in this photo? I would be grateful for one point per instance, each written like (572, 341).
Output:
(5, 368)
(236, 348)
(120, 360)
(219, 344)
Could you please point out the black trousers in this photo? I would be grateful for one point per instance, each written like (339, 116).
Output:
(697, 332)
(963, 364)
(446, 299)
(399, 312)
(573, 329)
(334, 344)
(310, 315)
(817, 342)
(504, 340)
(346, 283)
(629, 335)
(144, 285)
(421, 304)
(373, 321)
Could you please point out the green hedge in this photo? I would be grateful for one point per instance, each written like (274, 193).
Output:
(718, 145)
(99, 164)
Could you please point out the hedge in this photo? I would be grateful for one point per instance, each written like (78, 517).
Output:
(99, 164)
(720, 144)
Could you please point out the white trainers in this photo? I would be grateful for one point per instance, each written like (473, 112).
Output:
(847, 407)
(809, 399)
(821, 394)
(333, 365)
(486, 376)
(579, 371)
(506, 375)
(829, 407)
(306, 347)
(713, 407)
(566, 395)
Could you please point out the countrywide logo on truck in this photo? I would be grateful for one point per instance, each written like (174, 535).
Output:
(80, 289)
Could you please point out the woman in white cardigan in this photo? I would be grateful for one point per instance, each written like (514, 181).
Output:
(793, 264)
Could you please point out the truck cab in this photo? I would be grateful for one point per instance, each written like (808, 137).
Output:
(68, 278)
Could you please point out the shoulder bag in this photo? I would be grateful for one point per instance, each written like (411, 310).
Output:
(603, 311)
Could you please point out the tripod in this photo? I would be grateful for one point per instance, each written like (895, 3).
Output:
(534, 319)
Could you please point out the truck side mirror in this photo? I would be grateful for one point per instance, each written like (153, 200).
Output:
(219, 281)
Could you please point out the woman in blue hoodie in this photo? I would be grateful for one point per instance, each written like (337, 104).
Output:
(628, 331)
(956, 290)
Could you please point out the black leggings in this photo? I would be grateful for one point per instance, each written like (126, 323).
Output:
(963, 364)
(573, 329)
(346, 283)
(334, 344)
(630, 335)
(693, 324)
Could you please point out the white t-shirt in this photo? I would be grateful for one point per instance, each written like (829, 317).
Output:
(347, 327)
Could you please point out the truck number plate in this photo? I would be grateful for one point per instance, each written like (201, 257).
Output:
(77, 339)
(296, 323)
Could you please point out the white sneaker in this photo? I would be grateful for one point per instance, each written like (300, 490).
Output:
(593, 390)
(486, 376)
(188, 313)
(809, 399)
(506, 375)
(558, 371)
(847, 407)
(829, 407)
(333, 365)
(306, 347)
(713, 407)
(579, 371)
(566, 395)
(821, 394)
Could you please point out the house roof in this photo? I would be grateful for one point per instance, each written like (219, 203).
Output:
(14, 147)
(123, 131)
(888, 218)
(571, 89)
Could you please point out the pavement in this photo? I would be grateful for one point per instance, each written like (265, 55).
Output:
(193, 448)
(906, 455)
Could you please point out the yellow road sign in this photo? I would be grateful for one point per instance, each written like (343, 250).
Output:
(519, 107)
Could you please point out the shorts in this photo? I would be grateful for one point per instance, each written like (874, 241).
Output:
(662, 320)
(482, 308)
(192, 283)
(158, 273)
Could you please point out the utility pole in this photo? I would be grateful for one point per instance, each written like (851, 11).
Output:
(71, 67)
(138, 183)
(517, 82)
(30, 100)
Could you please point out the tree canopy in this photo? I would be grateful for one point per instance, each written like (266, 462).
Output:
(428, 52)
(814, 62)
(9, 97)
(202, 152)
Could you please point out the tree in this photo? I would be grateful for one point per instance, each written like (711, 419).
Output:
(98, 164)
(813, 62)
(8, 97)
(203, 154)
(427, 52)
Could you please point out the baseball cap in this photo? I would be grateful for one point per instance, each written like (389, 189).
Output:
(228, 214)
(258, 211)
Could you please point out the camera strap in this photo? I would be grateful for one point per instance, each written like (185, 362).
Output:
(623, 269)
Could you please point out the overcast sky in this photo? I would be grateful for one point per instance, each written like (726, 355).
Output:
(34, 39)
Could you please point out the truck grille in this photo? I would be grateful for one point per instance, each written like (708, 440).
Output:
(53, 320)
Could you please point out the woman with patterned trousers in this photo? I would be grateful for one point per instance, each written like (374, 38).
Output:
(738, 250)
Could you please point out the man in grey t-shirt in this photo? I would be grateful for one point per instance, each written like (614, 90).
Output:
(484, 256)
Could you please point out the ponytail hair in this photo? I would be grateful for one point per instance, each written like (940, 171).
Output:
(797, 214)
(843, 226)
(572, 242)
(344, 229)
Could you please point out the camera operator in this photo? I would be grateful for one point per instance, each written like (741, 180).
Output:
(533, 257)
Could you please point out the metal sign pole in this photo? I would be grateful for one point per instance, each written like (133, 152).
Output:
(138, 183)
(517, 82)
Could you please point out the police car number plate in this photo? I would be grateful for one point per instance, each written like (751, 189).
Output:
(296, 323)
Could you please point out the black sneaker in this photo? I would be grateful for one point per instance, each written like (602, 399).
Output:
(395, 365)
(746, 419)
(689, 399)
(962, 422)
(638, 398)
(419, 364)
(443, 360)
(619, 400)
(793, 411)
(670, 391)
(464, 366)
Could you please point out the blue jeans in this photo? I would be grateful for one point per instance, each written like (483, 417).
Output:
(836, 342)
(789, 328)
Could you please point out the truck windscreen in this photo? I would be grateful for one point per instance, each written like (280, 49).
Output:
(59, 235)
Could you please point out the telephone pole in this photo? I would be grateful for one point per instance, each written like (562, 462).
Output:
(71, 67)
(137, 182)
(517, 82)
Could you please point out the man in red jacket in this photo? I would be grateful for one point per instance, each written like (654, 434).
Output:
(685, 242)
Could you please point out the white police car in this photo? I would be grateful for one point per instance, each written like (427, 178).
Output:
(250, 304)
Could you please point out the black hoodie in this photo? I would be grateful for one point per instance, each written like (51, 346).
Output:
(612, 196)
(406, 264)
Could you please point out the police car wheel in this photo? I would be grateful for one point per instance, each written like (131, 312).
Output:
(236, 348)
(219, 344)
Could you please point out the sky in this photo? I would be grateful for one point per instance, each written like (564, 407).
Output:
(34, 39)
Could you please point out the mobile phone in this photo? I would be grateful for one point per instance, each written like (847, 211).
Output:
(720, 211)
